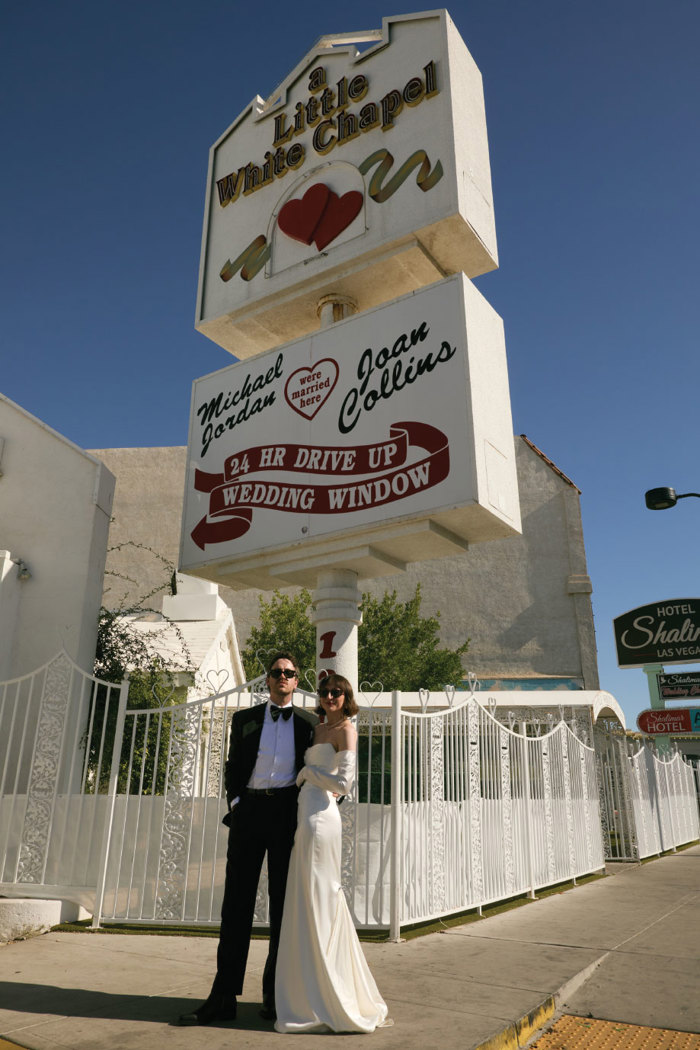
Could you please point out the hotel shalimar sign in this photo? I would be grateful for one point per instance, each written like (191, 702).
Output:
(365, 174)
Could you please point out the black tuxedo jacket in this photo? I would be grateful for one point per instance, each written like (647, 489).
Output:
(246, 729)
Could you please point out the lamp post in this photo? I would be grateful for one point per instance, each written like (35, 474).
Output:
(662, 499)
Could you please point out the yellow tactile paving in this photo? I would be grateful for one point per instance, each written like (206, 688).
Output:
(584, 1033)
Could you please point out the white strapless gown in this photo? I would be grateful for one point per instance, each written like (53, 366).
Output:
(322, 978)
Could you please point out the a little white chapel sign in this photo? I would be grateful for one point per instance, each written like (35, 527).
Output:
(366, 173)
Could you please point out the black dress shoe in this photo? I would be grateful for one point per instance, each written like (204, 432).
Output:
(268, 1012)
(216, 1008)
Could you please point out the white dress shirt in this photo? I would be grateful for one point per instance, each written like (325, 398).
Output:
(276, 763)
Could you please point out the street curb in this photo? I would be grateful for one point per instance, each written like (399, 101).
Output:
(517, 1034)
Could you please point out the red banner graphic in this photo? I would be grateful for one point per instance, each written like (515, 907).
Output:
(233, 496)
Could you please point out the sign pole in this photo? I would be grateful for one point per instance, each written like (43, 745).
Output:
(337, 616)
(336, 599)
(663, 742)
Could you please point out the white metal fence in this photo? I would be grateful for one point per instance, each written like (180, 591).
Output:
(664, 802)
(120, 807)
(649, 803)
(56, 725)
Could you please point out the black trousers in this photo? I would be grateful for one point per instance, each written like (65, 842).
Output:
(260, 824)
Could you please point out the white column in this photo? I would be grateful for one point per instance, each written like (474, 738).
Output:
(337, 616)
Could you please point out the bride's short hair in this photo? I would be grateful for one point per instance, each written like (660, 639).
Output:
(338, 681)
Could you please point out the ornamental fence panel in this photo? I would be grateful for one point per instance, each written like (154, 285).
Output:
(489, 813)
(664, 802)
(57, 729)
(617, 790)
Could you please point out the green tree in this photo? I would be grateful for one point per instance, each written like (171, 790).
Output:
(400, 648)
(397, 646)
(284, 624)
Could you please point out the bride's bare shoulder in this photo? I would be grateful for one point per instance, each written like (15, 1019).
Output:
(347, 738)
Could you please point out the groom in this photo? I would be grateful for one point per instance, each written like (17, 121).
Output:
(266, 752)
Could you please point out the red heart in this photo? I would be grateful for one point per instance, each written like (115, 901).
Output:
(337, 216)
(307, 389)
(299, 219)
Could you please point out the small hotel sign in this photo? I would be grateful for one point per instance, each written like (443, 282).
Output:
(365, 174)
(677, 720)
(679, 686)
(665, 632)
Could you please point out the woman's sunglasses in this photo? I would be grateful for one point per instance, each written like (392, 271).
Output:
(333, 693)
(277, 672)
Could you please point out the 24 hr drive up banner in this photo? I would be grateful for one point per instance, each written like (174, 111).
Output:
(359, 434)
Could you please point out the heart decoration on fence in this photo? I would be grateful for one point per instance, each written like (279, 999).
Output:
(450, 694)
(217, 679)
(263, 655)
(424, 697)
(311, 678)
(319, 216)
(371, 691)
(474, 683)
(163, 699)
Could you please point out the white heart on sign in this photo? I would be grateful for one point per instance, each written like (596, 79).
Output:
(308, 389)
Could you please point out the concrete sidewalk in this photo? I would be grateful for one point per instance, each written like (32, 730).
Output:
(625, 948)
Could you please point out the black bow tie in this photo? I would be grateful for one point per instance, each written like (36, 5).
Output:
(276, 711)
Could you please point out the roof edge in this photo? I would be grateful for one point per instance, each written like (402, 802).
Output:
(550, 463)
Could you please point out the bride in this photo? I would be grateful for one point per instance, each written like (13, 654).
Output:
(323, 980)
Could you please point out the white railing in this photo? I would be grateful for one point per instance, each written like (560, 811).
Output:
(120, 807)
(56, 726)
(489, 813)
(664, 802)
(450, 811)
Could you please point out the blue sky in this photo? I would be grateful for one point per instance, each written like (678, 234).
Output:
(592, 108)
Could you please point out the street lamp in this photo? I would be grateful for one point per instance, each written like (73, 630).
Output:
(662, 499)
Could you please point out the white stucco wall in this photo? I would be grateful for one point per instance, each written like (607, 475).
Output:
(524, 601)
(56, 503)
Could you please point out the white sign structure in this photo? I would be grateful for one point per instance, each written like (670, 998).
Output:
(384, 439)
(366, 174)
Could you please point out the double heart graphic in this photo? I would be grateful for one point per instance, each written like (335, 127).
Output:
(320, 216)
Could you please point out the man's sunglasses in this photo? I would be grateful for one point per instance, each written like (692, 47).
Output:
(277, 672)
(333, 693)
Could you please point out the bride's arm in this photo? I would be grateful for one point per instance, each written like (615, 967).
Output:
(339, 782)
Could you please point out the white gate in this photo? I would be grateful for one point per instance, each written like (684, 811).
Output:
(166, 857)
(56, 734)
